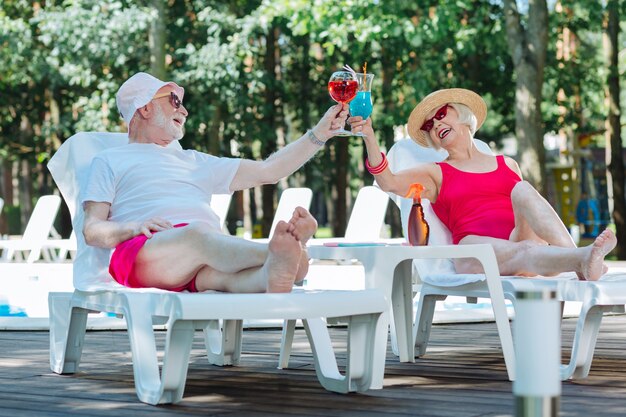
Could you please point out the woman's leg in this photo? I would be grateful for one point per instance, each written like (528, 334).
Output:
(530, 258)
(536, 220)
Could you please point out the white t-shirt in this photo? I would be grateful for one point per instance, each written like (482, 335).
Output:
(142, 181)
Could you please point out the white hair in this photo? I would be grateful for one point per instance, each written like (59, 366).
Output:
(466, 116)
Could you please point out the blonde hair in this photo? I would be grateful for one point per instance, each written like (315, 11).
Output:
(466, 116)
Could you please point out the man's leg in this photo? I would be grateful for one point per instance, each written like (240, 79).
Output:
(277, 274)
(172, 258)
(529, 258)
(535, 219)
(302, 226)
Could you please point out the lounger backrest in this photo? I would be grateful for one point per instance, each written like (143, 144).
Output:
(289, 199)
(41, 219)
(368, 214)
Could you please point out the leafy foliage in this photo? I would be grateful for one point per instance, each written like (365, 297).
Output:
(255, 71)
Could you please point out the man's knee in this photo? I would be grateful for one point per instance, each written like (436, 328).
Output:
(197, 233)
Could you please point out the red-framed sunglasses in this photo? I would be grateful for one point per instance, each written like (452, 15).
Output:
(174, 100)
(429, 123)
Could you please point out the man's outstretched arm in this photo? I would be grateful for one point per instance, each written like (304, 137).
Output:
(290, 158)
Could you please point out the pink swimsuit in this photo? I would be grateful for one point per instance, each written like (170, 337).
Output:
(477, 203)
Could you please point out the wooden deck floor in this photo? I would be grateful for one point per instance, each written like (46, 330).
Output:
(463, 374)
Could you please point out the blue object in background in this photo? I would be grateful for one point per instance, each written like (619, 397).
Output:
(588, 214)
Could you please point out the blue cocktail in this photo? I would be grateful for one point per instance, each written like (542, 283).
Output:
(361, 105)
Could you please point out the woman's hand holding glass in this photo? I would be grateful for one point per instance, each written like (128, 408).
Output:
(361, 127)
(361, 104)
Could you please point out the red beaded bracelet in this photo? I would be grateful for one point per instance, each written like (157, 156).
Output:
(378, 169)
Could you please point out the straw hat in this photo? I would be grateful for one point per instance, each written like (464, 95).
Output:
(437, 99)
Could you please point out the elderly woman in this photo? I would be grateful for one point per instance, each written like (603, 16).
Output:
(482, 198)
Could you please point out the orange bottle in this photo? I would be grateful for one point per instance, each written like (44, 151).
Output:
(418, 227)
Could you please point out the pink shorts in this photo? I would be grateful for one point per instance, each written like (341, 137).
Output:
(122, 264)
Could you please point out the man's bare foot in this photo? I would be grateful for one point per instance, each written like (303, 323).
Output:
(303, 266)
(283, 260)
(593, 266)
(302, 225)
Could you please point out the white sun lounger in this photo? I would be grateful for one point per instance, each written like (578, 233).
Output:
(219, 315)
(29, 247)
(436, 279)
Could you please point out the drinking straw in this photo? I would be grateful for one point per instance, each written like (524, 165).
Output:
(349, 68)
(365, 76)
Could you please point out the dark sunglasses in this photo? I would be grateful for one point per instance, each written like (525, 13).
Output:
(429, 123)
(174, 100)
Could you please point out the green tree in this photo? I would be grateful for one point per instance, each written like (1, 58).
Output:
(614, 147)
(527, 39)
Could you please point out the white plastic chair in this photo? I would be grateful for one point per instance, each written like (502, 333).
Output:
(220, 204)
(57, 250)
(437, 280)
(40, 224)
(364, 225)
(368, 215)
(289, 199)
(219, 315)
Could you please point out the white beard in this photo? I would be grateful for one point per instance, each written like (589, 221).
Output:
(168, 125)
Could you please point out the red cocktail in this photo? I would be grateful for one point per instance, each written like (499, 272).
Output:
(342, 88)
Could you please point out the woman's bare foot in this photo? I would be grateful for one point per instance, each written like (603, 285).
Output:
(302, 225)
(593, 266)
(283, 260)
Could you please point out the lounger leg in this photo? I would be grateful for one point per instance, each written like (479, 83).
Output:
(150, 387)
(402, 311)
(286, 342)
(34, 255)
(424, 320)
(366, 366)
(361, 361)
(176, 360)
(584, 344)
(67, 333)
(223, 341)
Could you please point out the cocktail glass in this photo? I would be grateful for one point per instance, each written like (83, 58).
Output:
(361, 104)
(342, 88)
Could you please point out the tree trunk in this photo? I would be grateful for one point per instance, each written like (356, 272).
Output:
(269, 145)
(214, 140)
(157, 40)
(614, 155)
(389, 107)
(341, 204)
(26, 193)
(7, 193)
(527, 47)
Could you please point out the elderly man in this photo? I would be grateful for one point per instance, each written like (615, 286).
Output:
(151, 202)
